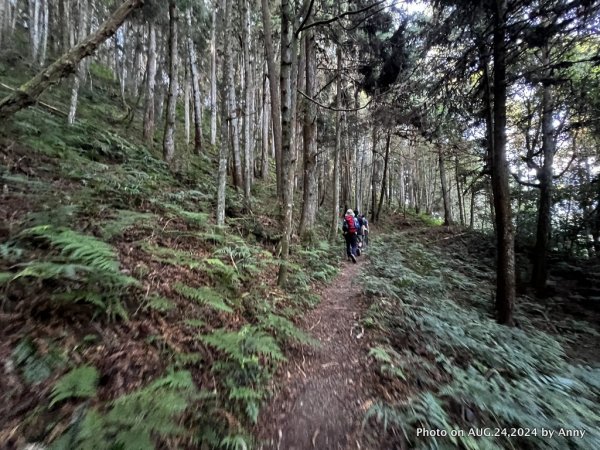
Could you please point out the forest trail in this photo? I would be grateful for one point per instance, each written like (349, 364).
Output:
(324, 391)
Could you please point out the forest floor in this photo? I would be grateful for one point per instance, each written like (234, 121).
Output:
(325, 390)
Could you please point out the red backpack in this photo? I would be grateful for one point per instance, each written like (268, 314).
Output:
(350, 221)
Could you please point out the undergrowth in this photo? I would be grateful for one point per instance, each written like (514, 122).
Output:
(465, 371)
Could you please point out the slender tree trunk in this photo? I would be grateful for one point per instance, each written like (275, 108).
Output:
(238, 178)
(385, 170)
(275, 100)
(45, 31)
(309, 129)
(248, 93)
(459, 192)
(224, 149)
(289, 61)
(187, 87)
(264, 168)
(472, 212)
(33, 25)
(213, 78)
(169, 137)
(545, 177)
(374, 176)
(336, 158)
(149, 119)
(195, 83)
(83, 15)
(505, 287)
(444, 185)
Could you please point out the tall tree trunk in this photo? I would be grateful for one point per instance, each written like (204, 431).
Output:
(505, 270)
(289, 61)
(149, 118)
(195, 81)
(248, 94)
(545, 177)
(309, 129)
(275, 100)
(459, 192)
(45, 31)
(385, 170)
(374, 176)
(82, 15)
(266, 118)
(34, 28)
(169, 137)
(28, 93)
(187, 87)
(234, 126)
(213, 77)
(224, 149)
(444, 185)
(336, 158)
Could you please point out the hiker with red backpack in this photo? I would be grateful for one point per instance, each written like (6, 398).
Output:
(350, 230)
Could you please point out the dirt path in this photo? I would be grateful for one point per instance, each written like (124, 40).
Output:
(324, 392)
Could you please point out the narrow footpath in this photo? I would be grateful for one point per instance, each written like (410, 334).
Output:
(323, 393)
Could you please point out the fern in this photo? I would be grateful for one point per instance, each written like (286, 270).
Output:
(80, 383)
(124, 220)
(286, 330)
(234, 442)
(136, 420)
(158, 303)
(507, 377)
(204, 296)
(245, 345)
(78, 247)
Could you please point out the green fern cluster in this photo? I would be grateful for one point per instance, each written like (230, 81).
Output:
(88, 269)
(249, 357)
(506, 377)
(136, 420)
(80, 383)
(204, 295)
(124, 220)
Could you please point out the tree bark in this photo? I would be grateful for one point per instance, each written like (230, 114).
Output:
(149, 118)
(336, 157)
(248, 94)
(28, 93)
(266, 118)
(545, 177)
(195, 80)
(224, 149)
(385, 170)
(213, 78)
(82, 15)
(444, 185)
(169, 137)
(309, 131)
(289, 59)
(275, 100)
(505, 270)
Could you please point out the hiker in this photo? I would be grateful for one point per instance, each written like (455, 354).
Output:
(364, 229)
(350, 230)
(359, 232)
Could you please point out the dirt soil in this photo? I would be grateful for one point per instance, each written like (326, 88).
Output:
(323, 392)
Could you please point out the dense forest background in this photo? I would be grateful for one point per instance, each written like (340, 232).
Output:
(174, 175)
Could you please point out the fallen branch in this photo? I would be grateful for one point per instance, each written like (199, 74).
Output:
(29, 93)
(46, 106)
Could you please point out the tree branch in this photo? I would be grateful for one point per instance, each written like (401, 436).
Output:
(336, 18)
(524, 183)
(331, 108)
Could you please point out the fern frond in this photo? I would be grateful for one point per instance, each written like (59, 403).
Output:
(204, 295)
(80, 382)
